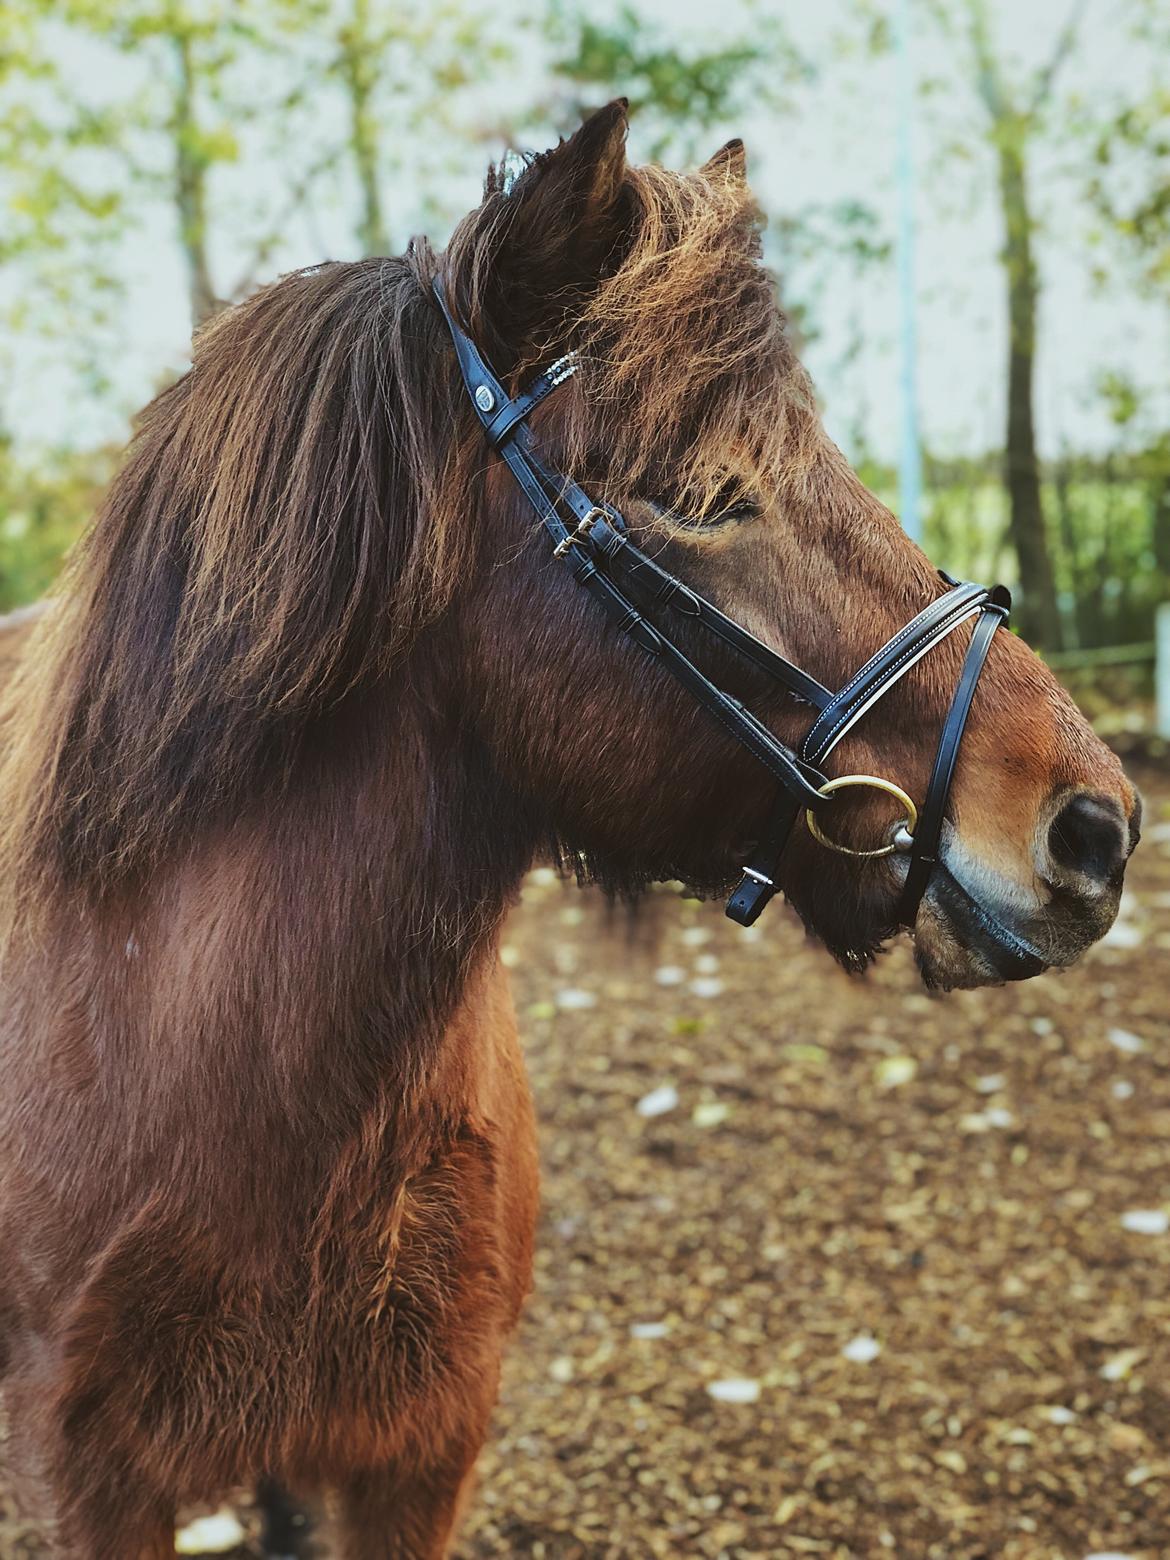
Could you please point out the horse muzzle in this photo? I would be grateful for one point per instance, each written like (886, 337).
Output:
(979, 928)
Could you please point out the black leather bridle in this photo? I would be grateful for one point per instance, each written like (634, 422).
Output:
(592, 542)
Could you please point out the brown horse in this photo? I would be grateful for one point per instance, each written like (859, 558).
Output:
(310, 702)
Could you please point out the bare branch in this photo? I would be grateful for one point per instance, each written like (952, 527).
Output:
(263, 250)
(988, 78)
(1064, 47)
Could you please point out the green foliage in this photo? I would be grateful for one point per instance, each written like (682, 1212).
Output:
(43, 510)
(370, 107)
(679, 94)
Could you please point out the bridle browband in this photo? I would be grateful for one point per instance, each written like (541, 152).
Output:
(592, 541)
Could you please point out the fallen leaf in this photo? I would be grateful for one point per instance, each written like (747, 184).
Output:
(894, 1070)
(711, 1113)
(1118, 1366)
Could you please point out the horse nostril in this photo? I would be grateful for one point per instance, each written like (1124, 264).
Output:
(1089, 835)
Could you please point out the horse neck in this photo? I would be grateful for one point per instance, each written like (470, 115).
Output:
(322, 942)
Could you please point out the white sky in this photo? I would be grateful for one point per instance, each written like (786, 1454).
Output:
(835, 144)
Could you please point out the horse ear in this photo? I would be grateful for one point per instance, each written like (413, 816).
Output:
(557, 230)
(729, 162)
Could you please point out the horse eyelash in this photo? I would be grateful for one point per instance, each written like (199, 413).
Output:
(739, 509)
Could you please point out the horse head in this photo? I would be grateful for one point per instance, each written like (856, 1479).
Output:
(689, 415)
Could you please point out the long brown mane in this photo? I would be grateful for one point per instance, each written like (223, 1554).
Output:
(290, 512)
(274, 535)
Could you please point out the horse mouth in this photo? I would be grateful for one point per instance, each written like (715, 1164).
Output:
(961, 941)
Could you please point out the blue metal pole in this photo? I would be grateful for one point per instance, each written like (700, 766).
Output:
(910, 455)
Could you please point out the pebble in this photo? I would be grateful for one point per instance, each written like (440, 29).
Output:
(574, 1000)
(861, 1350)
(1126, 1041)
(659, 1102)
(734, 1389)
(1146, 1221)
(707, 986)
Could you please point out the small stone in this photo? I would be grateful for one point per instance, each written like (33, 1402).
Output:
(561, 1369)
(659, 1101)
(670, 975)
(734, 1389)
(990, 1083)
(1125, 1040)
(861, 1350)
(648, 1330)
(1057, 1414)
(1122, 1089)
(575, 1000)
(707, 986)
(1145, 1221)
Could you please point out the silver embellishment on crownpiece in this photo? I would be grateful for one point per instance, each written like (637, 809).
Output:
(561, 370)
(484, 399)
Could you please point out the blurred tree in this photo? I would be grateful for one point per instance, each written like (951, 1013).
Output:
(110, 145)
(683, 96)
(408, 85)
(679, 94)
(1129, 182)
(1016, 111)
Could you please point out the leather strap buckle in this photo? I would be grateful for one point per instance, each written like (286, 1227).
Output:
(580, 533)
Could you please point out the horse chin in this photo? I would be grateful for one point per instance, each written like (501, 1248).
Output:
(976, 928)
(961, 941)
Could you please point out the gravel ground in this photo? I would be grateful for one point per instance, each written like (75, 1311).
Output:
(829, 1266)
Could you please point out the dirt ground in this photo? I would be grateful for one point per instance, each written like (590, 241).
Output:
(832, 1267)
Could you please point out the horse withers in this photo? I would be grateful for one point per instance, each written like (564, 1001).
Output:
(313, 696)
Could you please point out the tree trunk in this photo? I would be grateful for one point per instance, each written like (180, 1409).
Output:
(359, 71)
(1038, 610)
(191, 188)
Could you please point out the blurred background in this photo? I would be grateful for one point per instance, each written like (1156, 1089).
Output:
(968, 204)
(825, 1268)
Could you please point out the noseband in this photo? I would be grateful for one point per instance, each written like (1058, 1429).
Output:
(592, 541)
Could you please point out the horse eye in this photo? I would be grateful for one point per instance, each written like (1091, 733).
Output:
(731, 503)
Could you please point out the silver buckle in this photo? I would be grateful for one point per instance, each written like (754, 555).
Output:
(758, 877)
